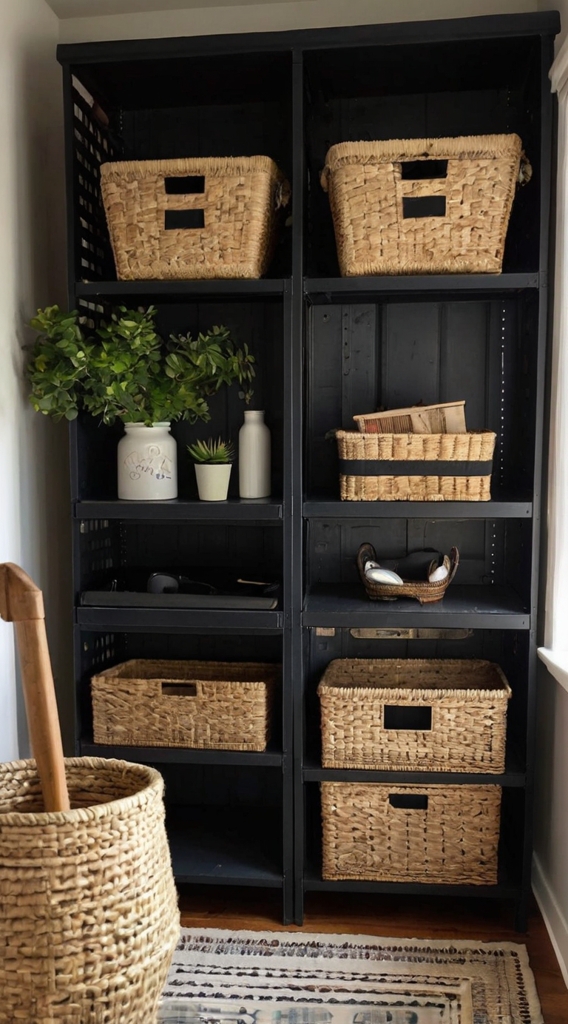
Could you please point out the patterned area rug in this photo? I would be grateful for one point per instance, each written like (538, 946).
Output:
(296, 978)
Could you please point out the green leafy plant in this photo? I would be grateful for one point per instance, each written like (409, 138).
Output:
(59, 363)
(125, 371)
(211, 452)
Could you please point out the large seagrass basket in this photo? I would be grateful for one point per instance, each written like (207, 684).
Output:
(417, 206)
(88, 907)
(414, 714)
(205, 704)
(193, 218)
(389, 833)
(415, 467)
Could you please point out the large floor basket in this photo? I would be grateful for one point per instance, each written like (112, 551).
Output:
(418, 206)
(193, 218)
(88, 907)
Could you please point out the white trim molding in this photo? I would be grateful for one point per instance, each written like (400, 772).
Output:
(556, 924)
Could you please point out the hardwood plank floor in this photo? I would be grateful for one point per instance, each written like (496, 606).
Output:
(405, 916)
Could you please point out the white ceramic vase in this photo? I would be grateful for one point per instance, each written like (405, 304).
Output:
(147, 463)
(254, 456)
(213, 481)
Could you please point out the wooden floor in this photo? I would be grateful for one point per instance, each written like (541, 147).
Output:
(408, 917)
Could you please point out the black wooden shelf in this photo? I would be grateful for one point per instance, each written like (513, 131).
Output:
(477, 607)
(270, 758)
(325, 348)
(504, 889)
(512, 776)
(322, 509)
(222, 845)
(173, 619)
(243, 509)
(180, 291)
(341, 289)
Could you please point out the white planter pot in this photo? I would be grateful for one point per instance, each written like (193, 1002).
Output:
(147, 463)
(213, 481)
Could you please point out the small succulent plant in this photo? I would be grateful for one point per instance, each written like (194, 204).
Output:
(213, 452)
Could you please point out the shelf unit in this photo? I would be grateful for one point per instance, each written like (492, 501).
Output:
(326, 347)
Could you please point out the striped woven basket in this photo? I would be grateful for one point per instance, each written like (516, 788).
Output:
(418, 206)
(193, 218)
(415, 467)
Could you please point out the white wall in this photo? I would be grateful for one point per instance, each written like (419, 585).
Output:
(279, 16)
(550, 877)
(34, 505)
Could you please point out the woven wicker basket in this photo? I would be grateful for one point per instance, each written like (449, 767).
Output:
(205, 704)
(192, 218)
(390, 218)
(415, 467)
(88, 907)
(424, 591)
(415, 715)
(384, 833)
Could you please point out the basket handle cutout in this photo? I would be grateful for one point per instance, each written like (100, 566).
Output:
(419, 170)
(179, 690)
(423, 206)
(415, 719)
(409, 801)
(184, 219)
(192, 185)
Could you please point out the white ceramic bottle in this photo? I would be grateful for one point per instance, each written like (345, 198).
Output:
(147, 463)
(254, 456)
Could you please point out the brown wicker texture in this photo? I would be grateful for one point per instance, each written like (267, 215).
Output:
(371, 718)
(424, 592)
(234, 238)
(204, 704)
(415, 484)
(88, 907)
(443, 418)
(386, 833)
(381, 227)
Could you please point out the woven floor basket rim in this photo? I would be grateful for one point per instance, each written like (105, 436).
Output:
(468, 147)
(151, 779)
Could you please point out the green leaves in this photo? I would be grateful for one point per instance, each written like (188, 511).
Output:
(212, 452)
(125, 371)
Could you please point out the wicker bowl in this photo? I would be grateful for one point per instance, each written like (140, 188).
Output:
(426, 593)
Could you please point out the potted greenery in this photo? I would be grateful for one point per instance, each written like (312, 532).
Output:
(213, 462)
(124, 370)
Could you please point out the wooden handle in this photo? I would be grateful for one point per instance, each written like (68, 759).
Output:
(21, 602)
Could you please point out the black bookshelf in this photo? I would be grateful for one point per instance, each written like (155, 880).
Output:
(326, 347)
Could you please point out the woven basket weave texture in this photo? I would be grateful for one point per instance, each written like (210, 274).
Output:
(88, 908)
(199, 704)
(467, 699)
(459, 448)
(451, 838)
(239, 205)
(369, 198)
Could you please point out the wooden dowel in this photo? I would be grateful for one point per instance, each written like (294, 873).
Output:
(21, 602)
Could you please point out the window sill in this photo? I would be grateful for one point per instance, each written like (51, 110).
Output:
(556, 663)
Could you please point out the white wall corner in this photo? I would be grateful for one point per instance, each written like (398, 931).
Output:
(554, 919)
